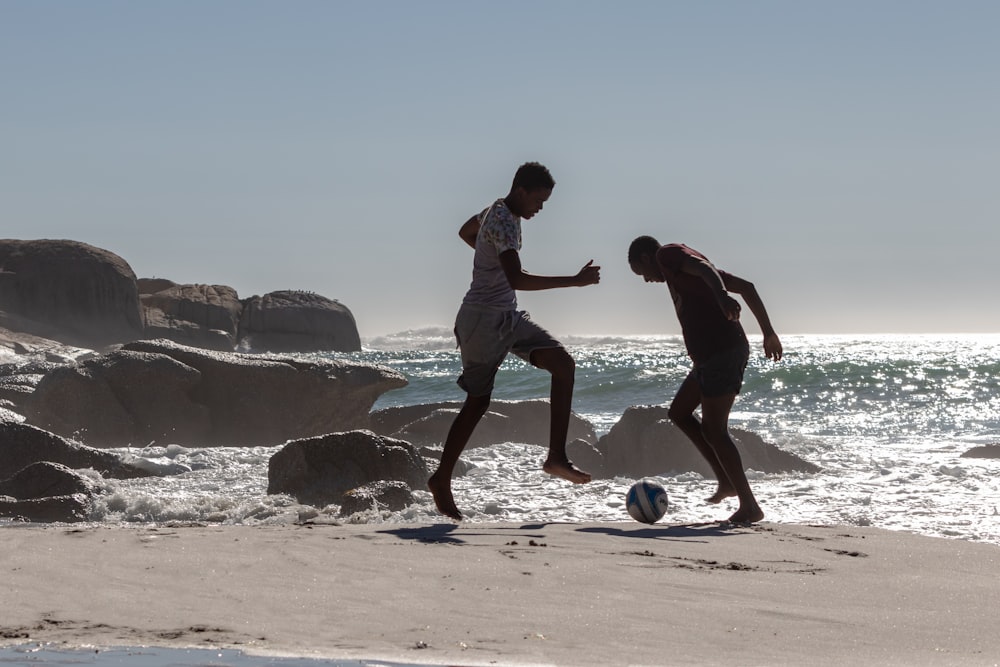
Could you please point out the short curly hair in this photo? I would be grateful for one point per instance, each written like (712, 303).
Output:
(532, 176)
(644, 245)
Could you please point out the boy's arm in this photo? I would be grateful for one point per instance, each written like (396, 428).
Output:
(746, 289)
(704, 270)
(520, 279)
(469, 231)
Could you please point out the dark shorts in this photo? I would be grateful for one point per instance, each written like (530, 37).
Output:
(722, 373)
(486, 336)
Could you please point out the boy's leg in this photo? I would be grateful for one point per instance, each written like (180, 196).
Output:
(483, 350)
(458, 436)
(681, 413)
(715, 429)
(558, 362)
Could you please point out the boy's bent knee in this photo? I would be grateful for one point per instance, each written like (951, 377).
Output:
(555, 360)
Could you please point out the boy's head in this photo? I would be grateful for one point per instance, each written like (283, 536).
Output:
(642, 259)
(530, 190)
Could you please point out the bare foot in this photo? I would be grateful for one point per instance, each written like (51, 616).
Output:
(567, 471)
(751, 515)
(720, 495)
(443, 499)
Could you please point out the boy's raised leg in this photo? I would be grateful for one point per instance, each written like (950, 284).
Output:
(560, 364)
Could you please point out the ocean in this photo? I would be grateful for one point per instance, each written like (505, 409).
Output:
(885, 417)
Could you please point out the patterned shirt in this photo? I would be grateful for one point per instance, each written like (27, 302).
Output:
(499, 231)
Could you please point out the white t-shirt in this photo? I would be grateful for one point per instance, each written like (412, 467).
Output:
(499, 231)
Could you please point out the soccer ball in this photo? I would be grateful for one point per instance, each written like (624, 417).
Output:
(646, 501)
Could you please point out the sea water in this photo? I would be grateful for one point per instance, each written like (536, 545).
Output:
(886, 418)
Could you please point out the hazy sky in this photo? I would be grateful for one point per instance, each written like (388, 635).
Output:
(844, 156)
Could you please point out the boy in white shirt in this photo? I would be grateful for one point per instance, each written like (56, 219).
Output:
(489, 326)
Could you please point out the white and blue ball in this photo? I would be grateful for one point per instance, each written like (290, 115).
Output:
(646, 501)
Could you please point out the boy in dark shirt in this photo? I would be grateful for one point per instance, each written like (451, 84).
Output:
(717, 344)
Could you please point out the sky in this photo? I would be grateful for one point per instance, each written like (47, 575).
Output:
(842, 156)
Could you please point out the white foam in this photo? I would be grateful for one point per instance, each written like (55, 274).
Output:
(899, 487)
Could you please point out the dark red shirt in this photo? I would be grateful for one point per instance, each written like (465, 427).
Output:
(705, 327)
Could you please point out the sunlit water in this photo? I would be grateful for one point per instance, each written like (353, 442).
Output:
(885, 417)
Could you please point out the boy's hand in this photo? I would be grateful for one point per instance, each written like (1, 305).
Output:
(589, 274)
(772, 347)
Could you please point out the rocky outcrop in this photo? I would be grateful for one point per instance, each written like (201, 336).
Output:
(22, 445)
(46, 492)
(319, 471)
(73, 294)
(378, 496)
(170, 393)
(298, 321)
(506, 421)
(645, 442)
(205, 316)
(586, 456)
(65, 509)
(983, 452)
(68, 291)
(45, 479)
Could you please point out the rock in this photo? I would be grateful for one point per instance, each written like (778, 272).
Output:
(983, 452)
(205, 316)
(45, 479)
(70, 292)
(462, 467)
(378, 496)
(65, 509)
(320, 470)
(119, 399)
(645, 442)
(511, 421)
(431, 430)
(159, 390)
(7, 415)
(586, 457)
(153, 285)
(295, 321)
(23, 444)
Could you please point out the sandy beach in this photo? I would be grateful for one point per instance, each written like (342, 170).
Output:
(510, 594)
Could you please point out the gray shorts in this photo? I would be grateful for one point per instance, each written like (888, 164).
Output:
(722, 373)
(486, 336)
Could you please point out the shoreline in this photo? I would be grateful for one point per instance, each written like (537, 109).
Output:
(530, 594)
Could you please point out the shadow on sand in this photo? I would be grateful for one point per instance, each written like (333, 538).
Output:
(450, 533)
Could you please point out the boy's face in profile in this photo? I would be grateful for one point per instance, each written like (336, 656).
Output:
(530, 202)
(647, 268)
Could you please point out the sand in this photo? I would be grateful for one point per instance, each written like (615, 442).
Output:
(510, 594)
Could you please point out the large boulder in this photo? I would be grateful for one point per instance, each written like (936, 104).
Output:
(122, 398)
(297, 321)
(319, 471)
(46, 492)
(22, 445)
(64, 509)
(204, 316)
(391, 495)
(170, 393)
(506, 421)
(45, 479)
(69, 291)
(983, 452)
(645, 442)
